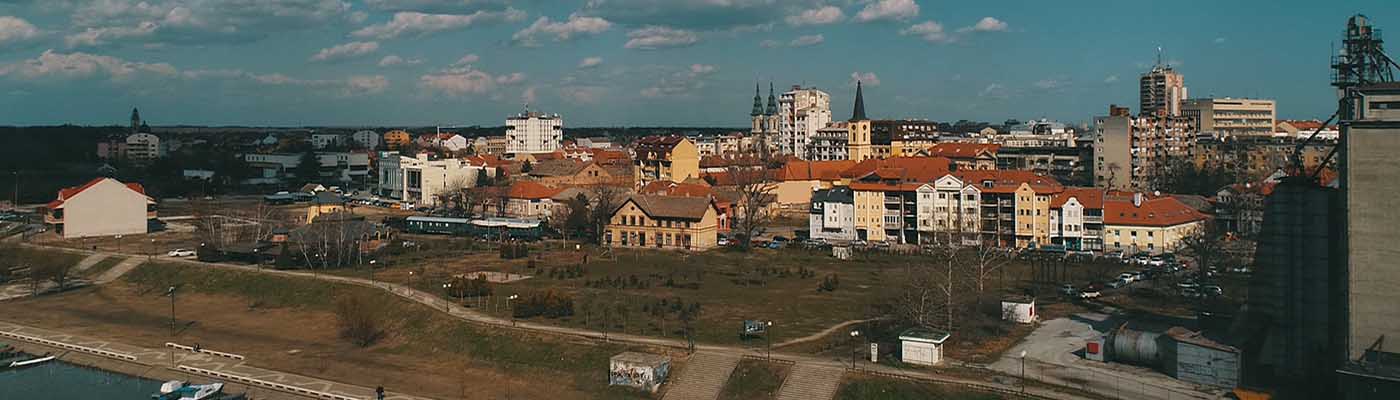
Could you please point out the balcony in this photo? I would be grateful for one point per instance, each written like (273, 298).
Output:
(1093, 219)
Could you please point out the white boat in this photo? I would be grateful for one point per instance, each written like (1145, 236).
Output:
(181, 390)
(26, 363)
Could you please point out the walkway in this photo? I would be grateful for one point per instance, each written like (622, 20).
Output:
(473, 316)
(809, 381)
(88, 262)
(703, 377)
(118, 270)
(216, 367)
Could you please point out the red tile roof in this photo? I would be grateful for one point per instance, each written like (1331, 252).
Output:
(1090, 198)
(1159, 211)
(962, 150)
(668, 188)
(530, 191)
(907, 169)
(68, 193)
(1006, 181)
(798, 170)
(885, 187)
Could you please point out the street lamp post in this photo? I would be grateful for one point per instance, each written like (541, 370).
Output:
(171, 292)
(410, 279)
(371, 271)
(152, 255)
(511, 310)
(854, 334)
(768, 336)
(446, 287)
(1023, 371)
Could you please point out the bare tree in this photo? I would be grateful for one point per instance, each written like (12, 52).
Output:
(988, 260)
(1206, 245)
(606, 199)
(360, 319)
(457, 197)
(755, 194)
(929, 297)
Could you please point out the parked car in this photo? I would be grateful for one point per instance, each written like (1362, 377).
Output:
(1117, 283)
(1089, 294)
(181, 253)
(1212, 290)
(1190, 293)
(1243, 269)
(723, 241)
(777, 244)
(1157, 261)
(1115, 255)
(1128, 277)
(1188, 285)
(1067, 290)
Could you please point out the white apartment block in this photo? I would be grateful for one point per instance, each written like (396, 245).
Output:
(830, 143)
(832, 215)
(534, 132)
(948, 209)
(423, 181)
(366, 139)
(1229, 117)
(324, 140)
(801, 112)
(142, 147)
(276, 168)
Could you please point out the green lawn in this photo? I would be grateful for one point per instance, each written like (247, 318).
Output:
(428, 333)
(754, 380)
(873, 388)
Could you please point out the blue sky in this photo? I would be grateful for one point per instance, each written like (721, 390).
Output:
(644, 62)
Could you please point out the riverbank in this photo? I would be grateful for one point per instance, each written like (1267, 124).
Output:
(160, 374)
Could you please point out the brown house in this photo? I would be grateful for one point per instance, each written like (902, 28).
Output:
(569, 172)
(664, 222)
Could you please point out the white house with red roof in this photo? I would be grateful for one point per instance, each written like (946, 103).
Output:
(101, 207)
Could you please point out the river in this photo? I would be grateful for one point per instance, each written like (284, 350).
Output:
(57, 380)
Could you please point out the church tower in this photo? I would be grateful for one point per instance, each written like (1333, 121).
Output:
(858, 146)
(135, 120)
(757, 114)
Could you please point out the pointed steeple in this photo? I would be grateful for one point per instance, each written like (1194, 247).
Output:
(757, 102)
(858, 114)
(772, 101)
(135, 120)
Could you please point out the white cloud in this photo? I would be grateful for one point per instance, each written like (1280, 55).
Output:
(435, 5)
(986, 24)
(818, 16)
(681, 83)
(590, 62)
(582, 94)
(14, 30)
(417, 23)
(78, 65)
(100, 36)
(366, 84)
(1219, 40)
(930, 31)
(995, 90)
(865, 78)
(894, 10)
(394, 60)
(345, 51)
(1050, 84)
(562, 31)
(466, 80)
(1110, 79)
(697, 70)
(529, 95)
(658, 37)
(468, 59)
(800, 41)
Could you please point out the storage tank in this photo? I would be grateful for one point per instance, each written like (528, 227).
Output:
(1136, 347)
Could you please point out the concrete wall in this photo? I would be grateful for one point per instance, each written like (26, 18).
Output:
(105, 209)
(1371, 183)
(1112, 148)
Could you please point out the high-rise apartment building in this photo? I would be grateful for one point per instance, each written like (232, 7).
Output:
(534, 132)
(801, 112)
(1163, 89)
(1227, 117)
(1129, 151)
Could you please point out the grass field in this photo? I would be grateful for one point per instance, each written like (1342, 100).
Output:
(288, 324)
(102, 266)
(873, 388)
(754, 380)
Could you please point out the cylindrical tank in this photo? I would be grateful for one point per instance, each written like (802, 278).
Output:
(1136, 347)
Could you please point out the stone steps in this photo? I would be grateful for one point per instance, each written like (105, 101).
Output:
(703, 377)
(809, 382)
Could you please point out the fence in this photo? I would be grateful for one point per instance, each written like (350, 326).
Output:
(268, 384)
(1117, 385)
(209, 352)
(74, 347)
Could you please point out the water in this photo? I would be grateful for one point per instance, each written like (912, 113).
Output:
(57, 380)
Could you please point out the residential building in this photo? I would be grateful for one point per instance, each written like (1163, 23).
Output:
(664, 222)
(422, 181)
(830, 143)
(530, 200)
(765, 122)
(1137, 222)
(672, 158)
(568, 172)
(1061, 162)
(1076, 219)
(967, 156)
(490, 145)
(797, 180)
(723, 199)
(366, 139)
(1130, 152)
(1229, 117)
(142, 147)
(832, 214)
(534, 132)
(1015, 206)
(1036, 133)
(1297, 129)
(1161, 91)
(801, 112)
(321, 141)
(397, 138)
(323, 203)
(277, 168)
(449, 141)
(949, 211)
(101, 207)
(901, 138)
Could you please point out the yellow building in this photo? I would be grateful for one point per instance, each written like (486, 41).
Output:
(672, 158)
(858, 147)
(664, 222)
(870, 214)
(397, 138)
(324, 203)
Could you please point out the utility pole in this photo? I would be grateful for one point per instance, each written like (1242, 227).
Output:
(171, 292)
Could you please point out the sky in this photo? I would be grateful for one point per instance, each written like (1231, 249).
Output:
(645, 62)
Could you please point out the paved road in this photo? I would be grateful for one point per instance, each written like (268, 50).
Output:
(471, 315)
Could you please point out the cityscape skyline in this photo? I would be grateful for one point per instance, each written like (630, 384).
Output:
(636, 62)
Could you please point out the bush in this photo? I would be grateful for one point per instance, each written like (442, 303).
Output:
(459, 286)
(829, 283)
(514, 250)
(359, 320)
(549, 304)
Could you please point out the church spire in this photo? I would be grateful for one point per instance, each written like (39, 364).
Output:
(757, 102)
(772, 102)
(858, 114)
(135, 120)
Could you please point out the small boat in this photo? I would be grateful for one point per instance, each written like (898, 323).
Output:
(181, 390)
(33, 361)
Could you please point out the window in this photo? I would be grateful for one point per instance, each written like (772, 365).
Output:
(1149, 233)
